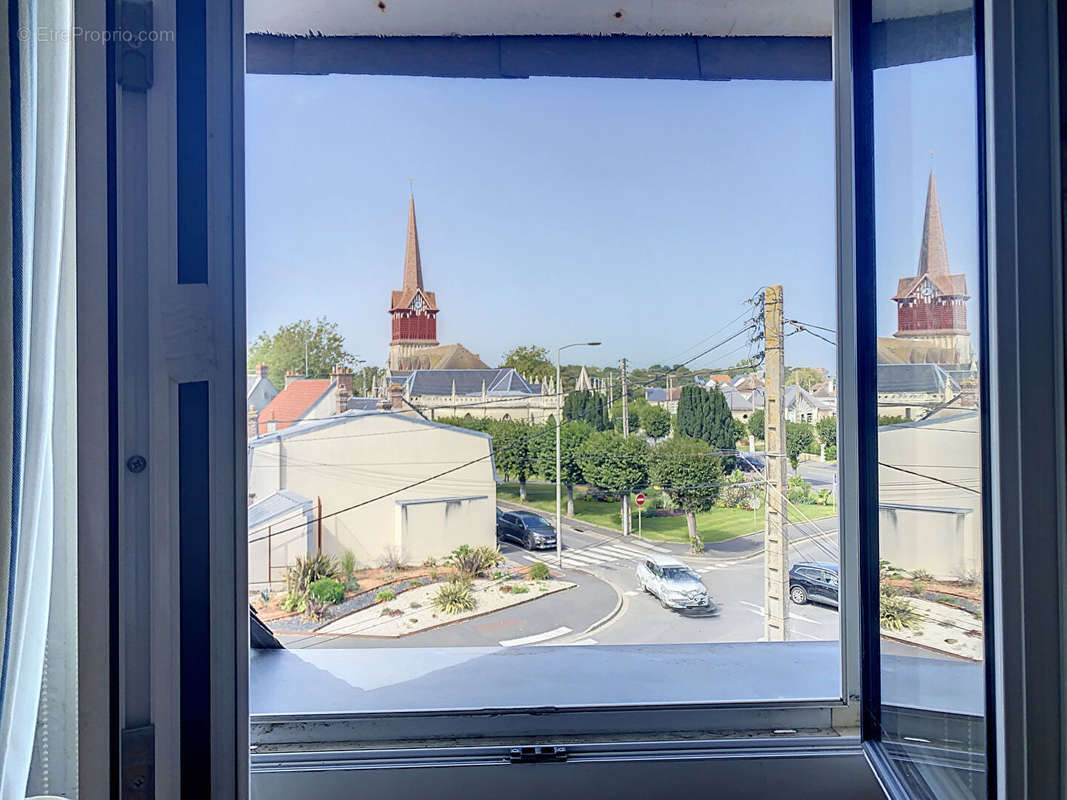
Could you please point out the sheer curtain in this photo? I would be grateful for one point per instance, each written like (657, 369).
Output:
(37, 451)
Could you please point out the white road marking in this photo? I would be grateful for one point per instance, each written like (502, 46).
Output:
(537, 637)
(531, 558)
(802, 618)
(755, 609)
(639, 543)
(632, 592)
(581, 642)
(622, 552)
(585, 558)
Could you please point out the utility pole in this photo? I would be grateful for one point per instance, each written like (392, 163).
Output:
(776, 545)
(625, 433)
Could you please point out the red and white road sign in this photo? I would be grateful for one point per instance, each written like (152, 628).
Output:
(640, 500)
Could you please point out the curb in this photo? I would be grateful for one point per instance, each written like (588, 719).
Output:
(619, 603)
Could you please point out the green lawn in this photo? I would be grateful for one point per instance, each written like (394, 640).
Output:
(714, 526)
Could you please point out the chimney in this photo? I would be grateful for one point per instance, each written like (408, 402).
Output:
(342, 398)
(253, 422)
(262, 370)
(293, 375)
(344, 377)
(396, 397)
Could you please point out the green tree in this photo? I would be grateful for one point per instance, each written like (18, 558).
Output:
(889, 419)
(656, 421)
(571, 437)
(365, 379)
(283, 350)
(470, 423)
(827, 430)
(799, 436)
(755, 423)
(740, 431)
(613, 462)
(589, 407)
(720, 422)
(689, 471)
(514, 449)
(805, 377)
(529, 359)
(694, 413)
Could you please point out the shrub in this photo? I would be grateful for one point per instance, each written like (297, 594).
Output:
(831, 452)
(384, 596)
(473, 562)
(921, 575)
(601, 495)
(348, 564)
(825, 497)
(293, 602)
(314, 608)
(327, 590)
(454, 597)
(351, 584)
(304, 572)
(518, 588)
(896, 613)
(538, 572)
(392, 559)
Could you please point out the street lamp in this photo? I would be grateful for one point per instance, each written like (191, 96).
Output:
(559, 423)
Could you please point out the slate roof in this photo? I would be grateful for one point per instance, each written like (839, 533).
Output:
(914, 378)
(292, 402)
(655, 394)
(363, 404)
(502, 381)
(282, 503)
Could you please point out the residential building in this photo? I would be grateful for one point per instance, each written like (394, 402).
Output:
(261, 390)
(476, 393)
(929, 517)
(303, 399)
(348, 458)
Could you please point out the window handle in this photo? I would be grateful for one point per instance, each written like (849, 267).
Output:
(537, 754)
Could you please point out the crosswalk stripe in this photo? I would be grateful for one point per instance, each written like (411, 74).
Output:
(633, 551)
(582, 642)
(596, 557)
(619, 552)
(646, 545)
(531, 558)
(581, 559)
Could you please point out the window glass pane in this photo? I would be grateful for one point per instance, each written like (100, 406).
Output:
(623, 232)
(929, 415)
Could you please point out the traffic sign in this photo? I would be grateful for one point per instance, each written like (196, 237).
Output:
(640, 500)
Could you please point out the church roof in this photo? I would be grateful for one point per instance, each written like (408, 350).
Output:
(445, 356)
(914, 379)
(933, 254)
(503, 381)
(412, 270)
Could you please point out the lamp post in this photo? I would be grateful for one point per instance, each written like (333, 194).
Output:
(559, 423)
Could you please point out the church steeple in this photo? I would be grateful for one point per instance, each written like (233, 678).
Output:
(412, 259)
(933, 254)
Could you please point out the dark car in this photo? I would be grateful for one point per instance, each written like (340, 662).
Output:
(814, 581)
(527, 529)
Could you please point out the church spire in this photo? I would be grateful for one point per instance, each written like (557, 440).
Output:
(412, 259)
(933, 255)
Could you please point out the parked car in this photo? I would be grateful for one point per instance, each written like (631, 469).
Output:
(814, 581)
(673, 583)
(525, 528)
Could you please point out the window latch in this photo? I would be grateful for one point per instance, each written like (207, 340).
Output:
(537, 754)
(137, 763)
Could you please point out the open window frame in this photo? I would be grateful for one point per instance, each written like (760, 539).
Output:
(161, 306)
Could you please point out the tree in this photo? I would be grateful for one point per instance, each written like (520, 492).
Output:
(613, 462)
(689, 472)
(755, 423)
(827, 430)
(656, 421)
(740, 431)
(513, 450)
(529, 359)
(694, 411)
(589, 407)
(366, 377)
(799, 436)
(720, 422)
(283, 350)
(571, 437)
(805, 377)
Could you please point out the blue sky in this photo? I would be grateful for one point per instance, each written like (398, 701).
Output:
(641, 213)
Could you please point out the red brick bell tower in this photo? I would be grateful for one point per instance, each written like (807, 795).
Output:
(932, 305)
(412, 308)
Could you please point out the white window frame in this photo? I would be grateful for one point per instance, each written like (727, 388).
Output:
(157, 334)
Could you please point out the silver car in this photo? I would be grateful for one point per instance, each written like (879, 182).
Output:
(673, 583)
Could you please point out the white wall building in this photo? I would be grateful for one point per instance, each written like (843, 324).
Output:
(362, 461)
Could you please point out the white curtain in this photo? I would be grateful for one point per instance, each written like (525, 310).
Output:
(39, 93)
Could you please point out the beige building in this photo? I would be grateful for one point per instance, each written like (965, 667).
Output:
(930, 514)
(362, 461)
(500, 393)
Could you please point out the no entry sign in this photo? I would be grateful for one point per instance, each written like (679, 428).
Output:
(640, 499)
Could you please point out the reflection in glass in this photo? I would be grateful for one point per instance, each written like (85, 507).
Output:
(929, 417)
